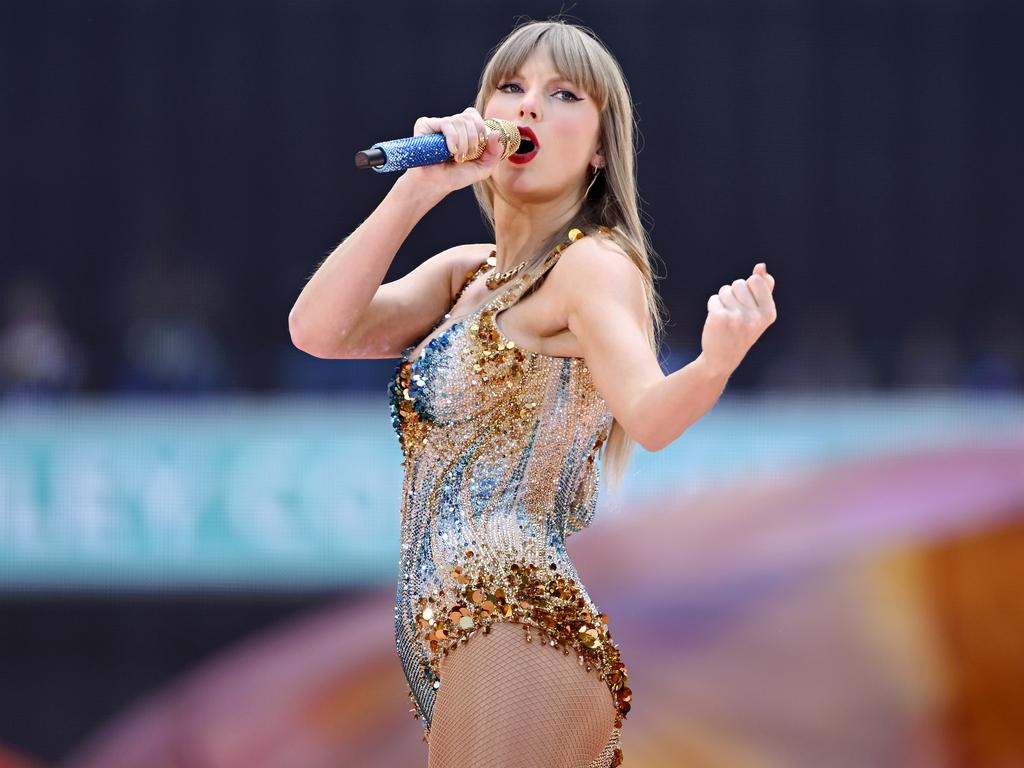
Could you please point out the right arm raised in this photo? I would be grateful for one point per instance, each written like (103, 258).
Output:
(344, 312)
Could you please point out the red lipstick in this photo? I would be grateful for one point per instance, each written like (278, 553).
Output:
(525, 157)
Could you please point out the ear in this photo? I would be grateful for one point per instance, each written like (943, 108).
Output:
(597, 161)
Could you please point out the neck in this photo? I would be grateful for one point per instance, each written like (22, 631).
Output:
(521, 228)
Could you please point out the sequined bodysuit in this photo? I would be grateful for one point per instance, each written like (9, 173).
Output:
(500, 449)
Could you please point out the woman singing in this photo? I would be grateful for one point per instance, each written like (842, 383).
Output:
(523, 361)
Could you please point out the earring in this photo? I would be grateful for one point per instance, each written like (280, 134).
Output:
(596, 171)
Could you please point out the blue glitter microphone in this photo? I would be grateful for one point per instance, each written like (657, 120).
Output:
(399, 154)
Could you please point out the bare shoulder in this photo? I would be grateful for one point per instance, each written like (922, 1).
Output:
(596, 270)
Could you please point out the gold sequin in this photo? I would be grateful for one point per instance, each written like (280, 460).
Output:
(538, 598)
(500, 447)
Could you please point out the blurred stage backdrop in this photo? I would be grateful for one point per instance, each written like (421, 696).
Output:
(199, 522)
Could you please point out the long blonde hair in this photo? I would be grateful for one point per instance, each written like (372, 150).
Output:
(580, 56)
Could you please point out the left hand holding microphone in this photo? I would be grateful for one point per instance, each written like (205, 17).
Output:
(737, 316)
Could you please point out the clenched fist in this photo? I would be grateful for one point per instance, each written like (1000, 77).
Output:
(737, 316)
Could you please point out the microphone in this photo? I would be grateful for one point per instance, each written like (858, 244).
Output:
(399, 154)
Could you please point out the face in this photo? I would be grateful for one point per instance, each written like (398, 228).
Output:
(566, 122)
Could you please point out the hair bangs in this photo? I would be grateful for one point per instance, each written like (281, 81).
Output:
(573, 55)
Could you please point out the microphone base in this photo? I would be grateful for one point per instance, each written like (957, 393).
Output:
(371, 158)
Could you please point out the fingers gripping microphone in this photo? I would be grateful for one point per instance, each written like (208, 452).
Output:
(399, 154)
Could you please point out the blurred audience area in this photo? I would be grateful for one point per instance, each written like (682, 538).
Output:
(172, 334)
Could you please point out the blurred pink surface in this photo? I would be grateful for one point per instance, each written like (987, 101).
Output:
(754, 632)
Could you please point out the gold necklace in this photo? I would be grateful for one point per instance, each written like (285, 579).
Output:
(503, 277)
(492, 261)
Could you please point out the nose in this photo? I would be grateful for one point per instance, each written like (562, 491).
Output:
(528, 106)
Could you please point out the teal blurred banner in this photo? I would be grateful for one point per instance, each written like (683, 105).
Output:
(299, 492)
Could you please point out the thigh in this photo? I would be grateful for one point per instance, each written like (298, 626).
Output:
(505, 703)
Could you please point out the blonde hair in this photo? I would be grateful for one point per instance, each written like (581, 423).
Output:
(581, 57)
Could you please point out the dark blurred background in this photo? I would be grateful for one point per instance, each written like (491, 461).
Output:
(174, 171)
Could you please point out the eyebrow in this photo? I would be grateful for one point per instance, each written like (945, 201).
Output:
(556, 78)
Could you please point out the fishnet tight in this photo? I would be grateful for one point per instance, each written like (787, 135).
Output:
(506, 703)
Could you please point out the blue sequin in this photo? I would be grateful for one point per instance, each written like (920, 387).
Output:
(499, 447)
(413, 151)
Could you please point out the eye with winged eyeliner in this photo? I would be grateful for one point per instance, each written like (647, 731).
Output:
(560, 90)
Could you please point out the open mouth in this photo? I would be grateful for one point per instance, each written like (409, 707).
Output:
(525, 146)
(528, 147)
